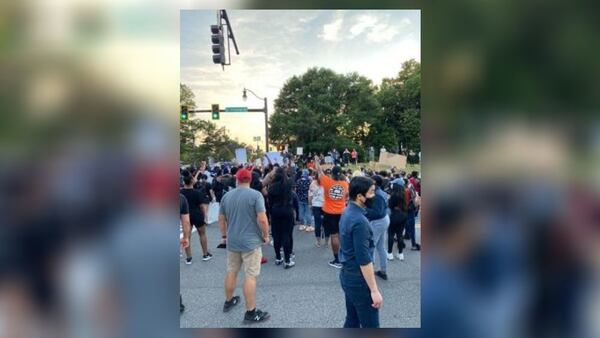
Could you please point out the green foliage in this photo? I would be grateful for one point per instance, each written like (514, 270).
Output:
(320, 110)
(186, 96)
(400, 98)
(200, 139)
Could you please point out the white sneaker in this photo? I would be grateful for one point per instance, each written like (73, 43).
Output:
(302, 227)
(390, 257)
(400, 256)
(271, 243)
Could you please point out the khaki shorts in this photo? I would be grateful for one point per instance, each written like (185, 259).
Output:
(250, 259)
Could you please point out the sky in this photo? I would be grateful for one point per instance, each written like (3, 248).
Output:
(276, 45)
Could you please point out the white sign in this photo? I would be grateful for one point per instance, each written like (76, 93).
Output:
(275, 157)
(241, 156)
(299, 151)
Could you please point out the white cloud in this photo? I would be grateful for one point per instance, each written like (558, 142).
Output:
(382, 33)
(378, 30)
(331, 30)
(308, 19)
(264, 64)
(364, 22)
(386, 32)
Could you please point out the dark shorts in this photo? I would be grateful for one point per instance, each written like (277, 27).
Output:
(197, 221)
(331, 224)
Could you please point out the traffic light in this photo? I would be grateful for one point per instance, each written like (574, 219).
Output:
(215, 111)
(184, 113)
(218, 44)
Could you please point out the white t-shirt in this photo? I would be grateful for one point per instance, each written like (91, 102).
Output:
(316, 193)
(209, 177)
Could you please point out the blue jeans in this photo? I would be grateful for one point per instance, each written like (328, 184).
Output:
(305, 216)
(410, 228)
(318, 213)
(359, 312)
(379, 228)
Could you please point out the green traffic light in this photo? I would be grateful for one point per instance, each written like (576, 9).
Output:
(184, 113)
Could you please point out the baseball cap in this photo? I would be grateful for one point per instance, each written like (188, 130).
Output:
(243, 175)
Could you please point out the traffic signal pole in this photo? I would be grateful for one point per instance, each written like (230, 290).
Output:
(263, 110)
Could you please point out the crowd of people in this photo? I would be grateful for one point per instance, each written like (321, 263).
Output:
(358, 215)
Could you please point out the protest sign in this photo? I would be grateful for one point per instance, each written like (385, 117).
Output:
(392, 160)
(241, 156)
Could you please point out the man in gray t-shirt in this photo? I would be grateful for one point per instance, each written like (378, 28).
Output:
(240, 208)
(245, 227)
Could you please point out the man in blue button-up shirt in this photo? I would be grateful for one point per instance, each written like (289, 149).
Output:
(357, 277)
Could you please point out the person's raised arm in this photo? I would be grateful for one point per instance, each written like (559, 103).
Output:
(269, 160)
(267, 180)
(318, 167)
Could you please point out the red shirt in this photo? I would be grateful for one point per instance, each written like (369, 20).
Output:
(416, 184)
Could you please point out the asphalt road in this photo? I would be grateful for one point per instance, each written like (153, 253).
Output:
(307, 296)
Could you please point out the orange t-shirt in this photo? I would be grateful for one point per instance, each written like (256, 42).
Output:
(335, 193)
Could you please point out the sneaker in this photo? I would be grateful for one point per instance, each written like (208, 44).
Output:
(289, 265)
(256, 316)
(271, 243)
(302, 228)
(382, 275)
(207, 257)
(416, 247)
(310, 229)
(400, 256)
(278, 261)
(335, 264)
(221, 246)
(292, 256)
(390, 256)
(231, 303)
(188, 261)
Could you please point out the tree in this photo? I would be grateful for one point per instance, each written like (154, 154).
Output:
(200, 139)
(400, 99)
(321, 110)
(186, 96)
(187, 128)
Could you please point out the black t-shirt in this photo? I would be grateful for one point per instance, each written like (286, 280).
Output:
(183, 205)
(194, 198)
(219, 189)
(280, 194)
(204, 189)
